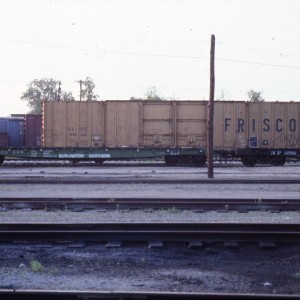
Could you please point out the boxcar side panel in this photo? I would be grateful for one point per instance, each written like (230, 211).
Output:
(191, 122)
(54, 124)
(110, 124)
(255, 124)
(4, 140)
(83, 117)
(273, 124)
(71, 131)
(134, 124)
(33, 130)
(241, 121)
(230, 125)
(4, 125)
(96, 124)
(279, 130)
(121, 124)
(16, 133)
(292, 125)
(60, 125)
(73, 124)
(158, 124)
(219, 125)
(266, 117)
(47, 133)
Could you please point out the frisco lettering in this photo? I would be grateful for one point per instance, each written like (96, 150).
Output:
(266, 124)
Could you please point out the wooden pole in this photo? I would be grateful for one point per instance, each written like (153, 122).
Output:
(59, 91)
(80, 84)
(210, 112)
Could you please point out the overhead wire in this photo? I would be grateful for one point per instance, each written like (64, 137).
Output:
(148, 41)
(257, 63)
(259, 50)
(104, 38)
(104, 52)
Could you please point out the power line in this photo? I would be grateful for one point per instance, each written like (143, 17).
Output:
(258, 63)
(156, 55)
(103, 52)
(147, 41)
(258, 50)
(103, 38)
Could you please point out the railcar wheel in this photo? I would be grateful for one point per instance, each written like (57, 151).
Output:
(1, 159)
(278, 161)
(249, 161)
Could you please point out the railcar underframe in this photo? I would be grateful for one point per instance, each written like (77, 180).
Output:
(265, 156)
(173, 156)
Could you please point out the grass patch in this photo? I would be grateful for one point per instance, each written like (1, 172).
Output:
(36, 266)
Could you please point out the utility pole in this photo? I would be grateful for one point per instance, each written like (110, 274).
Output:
(210, 112)
(80, 84)
(58, 91)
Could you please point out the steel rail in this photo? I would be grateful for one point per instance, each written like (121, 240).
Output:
(151, 232)
(198, 204)
(84, 179)
(123, 295)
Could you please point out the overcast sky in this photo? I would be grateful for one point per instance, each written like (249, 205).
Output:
(126, 46)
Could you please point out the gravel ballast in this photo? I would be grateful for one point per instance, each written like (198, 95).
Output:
(140, 216)
(246, 269)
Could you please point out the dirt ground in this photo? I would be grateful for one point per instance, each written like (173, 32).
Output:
(137, 268)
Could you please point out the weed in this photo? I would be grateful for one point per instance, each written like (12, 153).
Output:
(36, 266)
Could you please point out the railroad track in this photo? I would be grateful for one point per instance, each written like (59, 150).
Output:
(119, 295)
(198, 204)
(85, 179)
(153, 234)
(218, 162)
(13, 163)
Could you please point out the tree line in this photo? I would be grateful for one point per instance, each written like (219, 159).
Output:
(48, 89)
